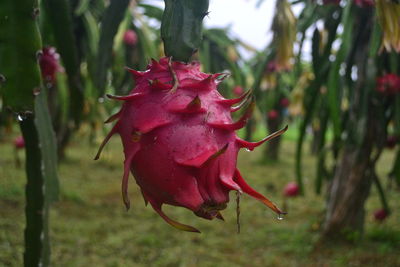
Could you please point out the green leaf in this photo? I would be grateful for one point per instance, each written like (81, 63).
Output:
(333, 84)
(82, 7)
(113, 16)
(152, 11)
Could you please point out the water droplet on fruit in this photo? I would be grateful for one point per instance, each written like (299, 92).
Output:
(280, 217)
(248, 150)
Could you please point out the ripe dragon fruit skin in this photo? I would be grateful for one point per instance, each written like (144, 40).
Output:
(49, 64)
(179, 140)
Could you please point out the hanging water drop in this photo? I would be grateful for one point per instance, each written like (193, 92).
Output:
(20, 117)
(247, 150)
(36, 91)
(280, 217)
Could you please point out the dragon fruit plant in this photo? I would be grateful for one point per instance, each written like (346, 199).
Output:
(176, 129)
(179, 140)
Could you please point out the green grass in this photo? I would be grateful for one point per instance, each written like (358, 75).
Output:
(90, 227)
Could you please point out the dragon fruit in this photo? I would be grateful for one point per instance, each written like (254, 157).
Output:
(130, 38)
(179, 140)
(49, 64)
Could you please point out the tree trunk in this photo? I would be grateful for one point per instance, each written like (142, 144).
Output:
(348, 192)
(273, 146)
(354, 172)
(351, 185)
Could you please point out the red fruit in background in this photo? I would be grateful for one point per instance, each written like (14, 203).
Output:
(273, 114)
(271, 67)
(381, 215)
(364, 3)
(331, 2)
(49, 64)
(284, 102)
(391, 141)
(388, 84)
(130, 37)
(238, 90)
(179, 140)
(19, 142)
(291, 190)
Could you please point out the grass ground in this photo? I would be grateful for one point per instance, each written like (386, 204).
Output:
(90, 227)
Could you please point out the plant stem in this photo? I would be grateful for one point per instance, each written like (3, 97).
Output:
(181, 27)
(34, 209)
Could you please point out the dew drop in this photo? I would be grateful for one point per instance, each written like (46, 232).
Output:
(280, 217)
(248, 150)
(36, 91)
(101, 100)
(20, 117)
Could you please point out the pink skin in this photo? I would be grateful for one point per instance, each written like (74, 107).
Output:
(181, 144)
(381, 214)
(238, 90)
(19, 142)
(388, 84)
(49, 64)
(273, 114)
(391, 141)
(291, 190)
(331, 2)
(364, 3)
(284, 102)
(130, 38)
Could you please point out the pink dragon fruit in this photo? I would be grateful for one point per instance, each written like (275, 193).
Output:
(179, 140)
(364, 3)
(238, 90)
(19, 142)
(380, 215)
(130, 38)
(49, 64)
(388, 84)
(291, 190)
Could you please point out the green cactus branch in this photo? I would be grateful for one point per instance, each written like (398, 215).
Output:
(19, 45)
(181, 27)
(59, 14)
(23, 93)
